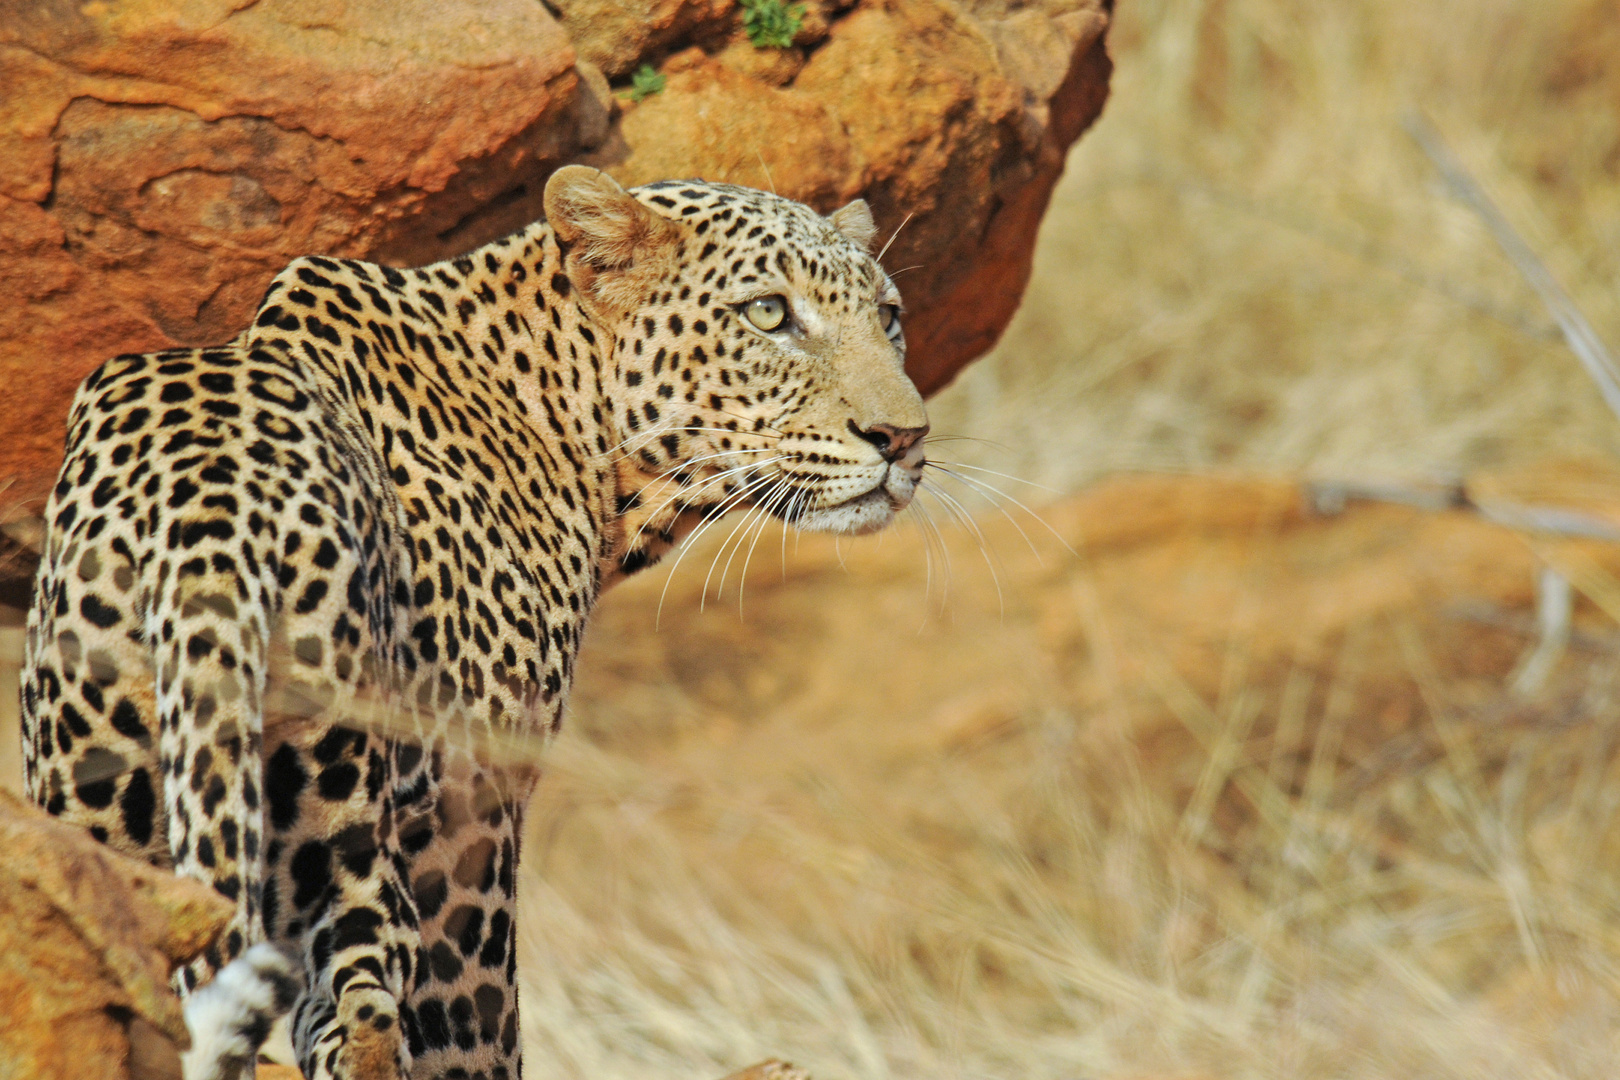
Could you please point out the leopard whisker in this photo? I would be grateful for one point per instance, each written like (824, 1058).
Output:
(1001, 510)
(742, 524)
(937, 539)
(992, 472)
(783, 491)
(893, 237)
(703, 597)
(653, 432)
(692, 492)
(928, 558)
(794, 506)
(658, 430)
(714, 514)
(970, 486)
(757, 512)
(686, 488)
(948, 575)
(965, 519)
(689, 462)
(676, 470)
(990, 494)
(959, 513)
(755, 526)
(720, 511)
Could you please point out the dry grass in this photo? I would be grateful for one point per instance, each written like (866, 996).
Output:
(1364, 864)
(1235, 794)
(1250, 263)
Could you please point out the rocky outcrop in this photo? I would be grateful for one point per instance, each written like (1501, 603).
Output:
(88, 939)
(159, 161)
(953, 123)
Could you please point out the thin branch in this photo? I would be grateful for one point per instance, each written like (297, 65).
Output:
(1582, 340)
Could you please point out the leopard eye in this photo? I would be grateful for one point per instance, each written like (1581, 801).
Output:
(768, 313)
(889, 319)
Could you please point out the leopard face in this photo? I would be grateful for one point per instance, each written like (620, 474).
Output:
(757, 357)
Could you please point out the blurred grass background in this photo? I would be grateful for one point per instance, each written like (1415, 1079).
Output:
(1229, 790)
(1237, 791)
(1249, 263)
(1231, 794)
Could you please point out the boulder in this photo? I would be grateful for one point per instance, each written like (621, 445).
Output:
(617, 37)
(88, 939)
(159, 162)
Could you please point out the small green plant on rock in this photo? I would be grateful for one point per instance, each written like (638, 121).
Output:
(645, 83)
(771, 24)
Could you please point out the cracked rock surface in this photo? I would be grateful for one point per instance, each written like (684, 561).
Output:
(161, 159)
(88, 939)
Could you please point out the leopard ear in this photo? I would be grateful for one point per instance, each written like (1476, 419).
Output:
(855, 221)
(611, 240)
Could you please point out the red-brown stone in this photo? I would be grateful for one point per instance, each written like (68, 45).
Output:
(160, 161)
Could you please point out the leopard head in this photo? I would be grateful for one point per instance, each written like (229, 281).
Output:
(755, 353)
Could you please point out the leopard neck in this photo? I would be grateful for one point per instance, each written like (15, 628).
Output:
(533, 339)
(540, 346)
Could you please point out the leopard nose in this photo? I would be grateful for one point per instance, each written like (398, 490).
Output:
(890, 441)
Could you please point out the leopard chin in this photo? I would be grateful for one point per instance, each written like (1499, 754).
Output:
(859, 516)
(872, 510)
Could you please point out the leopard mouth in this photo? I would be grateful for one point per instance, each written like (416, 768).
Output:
(867, 512)
(804, 501)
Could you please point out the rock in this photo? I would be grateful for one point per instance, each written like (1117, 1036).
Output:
(88, 939)
(992, 102)
(742, 131)
(617, 36)
(159, 162)
(977, 209)
(773, 67)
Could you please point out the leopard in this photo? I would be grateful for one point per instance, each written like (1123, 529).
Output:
(307, 596)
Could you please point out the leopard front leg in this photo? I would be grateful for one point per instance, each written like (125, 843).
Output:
(335, 886)
(460, 827)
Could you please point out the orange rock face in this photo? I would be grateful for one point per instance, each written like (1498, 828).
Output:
(88, 939)
(962, 125)
(160, 161)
